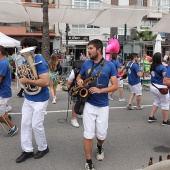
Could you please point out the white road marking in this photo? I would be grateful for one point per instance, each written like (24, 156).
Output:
(64, 111)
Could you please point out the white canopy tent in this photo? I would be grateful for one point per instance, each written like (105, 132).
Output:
(8, 41)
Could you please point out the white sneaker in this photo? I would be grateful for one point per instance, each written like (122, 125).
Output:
(100, 156)
(80, 116)
(55, 98)
(121, 99)
(53, 101)
(8, 108)
(89, 166)
(74, 123)
(110, 97)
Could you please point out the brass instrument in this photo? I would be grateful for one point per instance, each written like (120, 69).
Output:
(29, 70)
(82, 91)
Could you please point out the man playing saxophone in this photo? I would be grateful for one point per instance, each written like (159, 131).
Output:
(34, 107)
(96, 109)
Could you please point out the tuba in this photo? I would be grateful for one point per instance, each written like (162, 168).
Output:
(28, 70)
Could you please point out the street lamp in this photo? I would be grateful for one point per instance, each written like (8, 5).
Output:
(67, 30)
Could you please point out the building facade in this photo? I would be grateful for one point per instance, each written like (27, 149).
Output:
(80, 34)
(20, 30)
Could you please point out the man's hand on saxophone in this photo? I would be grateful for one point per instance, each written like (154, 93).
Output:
(80, 81)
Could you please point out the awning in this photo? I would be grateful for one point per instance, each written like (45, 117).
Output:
(113, 16)
(64, 15)
(118, 16)
(13, 12)
(163, 25)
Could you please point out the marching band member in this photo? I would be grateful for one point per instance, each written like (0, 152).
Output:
(96, 109)
(158, 71)
(34, 108)
(134, 75)
(119, 69)
(5, 91)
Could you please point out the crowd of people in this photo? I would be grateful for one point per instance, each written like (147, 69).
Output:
(109, 78)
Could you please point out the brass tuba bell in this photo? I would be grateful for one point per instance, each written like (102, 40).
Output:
(28, 70)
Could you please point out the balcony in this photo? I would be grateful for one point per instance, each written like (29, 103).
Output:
(37, 3)
(25, 31)
(154, 15)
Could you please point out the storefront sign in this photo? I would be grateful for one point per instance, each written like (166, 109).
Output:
(85, 38)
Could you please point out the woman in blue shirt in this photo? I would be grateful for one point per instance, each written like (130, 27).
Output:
(158, 71)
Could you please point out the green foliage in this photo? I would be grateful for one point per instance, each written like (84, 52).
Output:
(144, 36)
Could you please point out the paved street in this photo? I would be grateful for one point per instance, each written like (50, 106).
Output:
(131, 140)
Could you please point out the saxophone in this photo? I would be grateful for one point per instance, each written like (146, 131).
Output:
(82, 91)
(29, 70)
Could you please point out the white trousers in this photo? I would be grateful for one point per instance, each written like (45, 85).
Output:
(95, 120)
(120, 82)
(3, 103)
(160, 99)
(32, 120)
(136, 89)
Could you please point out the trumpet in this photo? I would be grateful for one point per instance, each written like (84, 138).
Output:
(82, 91)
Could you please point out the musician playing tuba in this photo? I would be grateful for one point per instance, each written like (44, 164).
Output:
(34, 106)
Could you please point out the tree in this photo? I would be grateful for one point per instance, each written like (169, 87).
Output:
(144, 36)
(45, 32)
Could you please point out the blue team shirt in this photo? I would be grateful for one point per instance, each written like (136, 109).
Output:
(156, 76)
(116, 63)
(5, 85)
(133, 69)
(109, 70)
(168, 73)
(44, 93)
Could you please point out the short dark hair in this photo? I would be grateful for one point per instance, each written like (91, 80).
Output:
(2, 49)
(133, 55)
(113, 56)
(29, 42)
(96, 43)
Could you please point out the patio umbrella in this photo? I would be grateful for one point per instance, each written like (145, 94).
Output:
(158, 47)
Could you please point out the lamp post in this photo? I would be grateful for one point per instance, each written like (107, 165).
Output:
(67, 30)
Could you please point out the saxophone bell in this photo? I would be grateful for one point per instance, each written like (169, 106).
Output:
(83, 92)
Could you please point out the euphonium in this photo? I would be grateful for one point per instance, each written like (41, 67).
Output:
(82, 91)
(29, 70)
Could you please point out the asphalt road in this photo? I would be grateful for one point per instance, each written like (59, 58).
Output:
(130, 142)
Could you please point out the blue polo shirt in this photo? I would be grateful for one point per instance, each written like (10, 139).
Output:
(41, 68)
(116, 63)
(133, 69)
(5, 85)
(156, 76)
(168, 73)
(109, 70)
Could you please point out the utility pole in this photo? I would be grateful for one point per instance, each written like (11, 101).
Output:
(67, 30)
